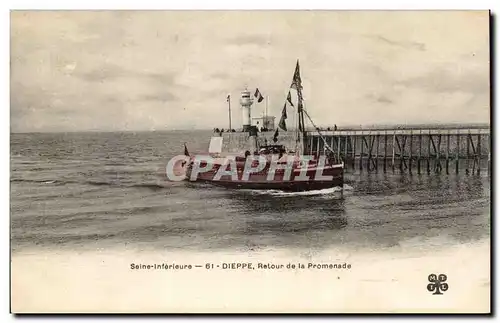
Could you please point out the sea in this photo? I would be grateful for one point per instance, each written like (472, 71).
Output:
(107, 190)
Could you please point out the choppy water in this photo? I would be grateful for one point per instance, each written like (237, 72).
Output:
(105, 190)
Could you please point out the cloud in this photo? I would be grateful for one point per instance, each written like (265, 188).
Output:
(447, 80)
(104, 72)
(220, 76)
(259, 40)
(162, 97)
(401, 44)
(111, 72)
(380, 98)
(384, 99)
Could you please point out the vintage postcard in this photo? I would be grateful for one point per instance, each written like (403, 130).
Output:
(250, 161)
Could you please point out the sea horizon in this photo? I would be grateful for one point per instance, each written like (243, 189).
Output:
(447, 125)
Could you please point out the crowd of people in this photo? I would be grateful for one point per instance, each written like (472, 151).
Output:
(327, 129)
(217, 130)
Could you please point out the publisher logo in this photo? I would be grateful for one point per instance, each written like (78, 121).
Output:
(437, 284)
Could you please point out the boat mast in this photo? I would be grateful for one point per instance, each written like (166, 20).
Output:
(229, 104)
(297, 84)
(265, 113)
(300, 111)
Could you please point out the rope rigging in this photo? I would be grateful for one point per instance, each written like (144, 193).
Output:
(317, 130)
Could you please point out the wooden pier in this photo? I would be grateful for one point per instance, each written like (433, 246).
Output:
(419, 150)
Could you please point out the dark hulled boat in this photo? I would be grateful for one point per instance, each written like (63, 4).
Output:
(273, 167)
(297, 175)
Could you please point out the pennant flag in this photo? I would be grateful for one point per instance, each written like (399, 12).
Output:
(275, 138)
(297, 82)
(282, 123)
(258, 95)
(228, 97)
(289, 99)
(186, 152)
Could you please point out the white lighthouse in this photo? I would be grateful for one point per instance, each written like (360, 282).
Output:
(246, 102)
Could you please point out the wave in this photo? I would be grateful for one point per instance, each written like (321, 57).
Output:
(43, 181)
(153, 186)
(126, 171)
(150, 186)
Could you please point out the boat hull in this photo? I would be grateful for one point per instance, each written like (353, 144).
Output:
(260, 181)
(282, 186)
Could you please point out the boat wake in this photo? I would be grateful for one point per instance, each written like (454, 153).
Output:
(325, 191)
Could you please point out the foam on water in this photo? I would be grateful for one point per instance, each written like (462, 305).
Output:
(325, 191)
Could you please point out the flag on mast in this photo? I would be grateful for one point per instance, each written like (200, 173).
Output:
(297, 82)
(297, 85)
(186, 152)
(258, 95)
(228, 97)
(282, 123)
(275, 138)
(289, 99)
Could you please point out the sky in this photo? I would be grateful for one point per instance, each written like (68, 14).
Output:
(163, 70)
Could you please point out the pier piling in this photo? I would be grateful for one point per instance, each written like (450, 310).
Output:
(479, 153)
(410, 153)
(419, 150)
(385, 151)
(447, 151)
(361, 155)
(429, 140)
(467, 165)
(393, 149)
